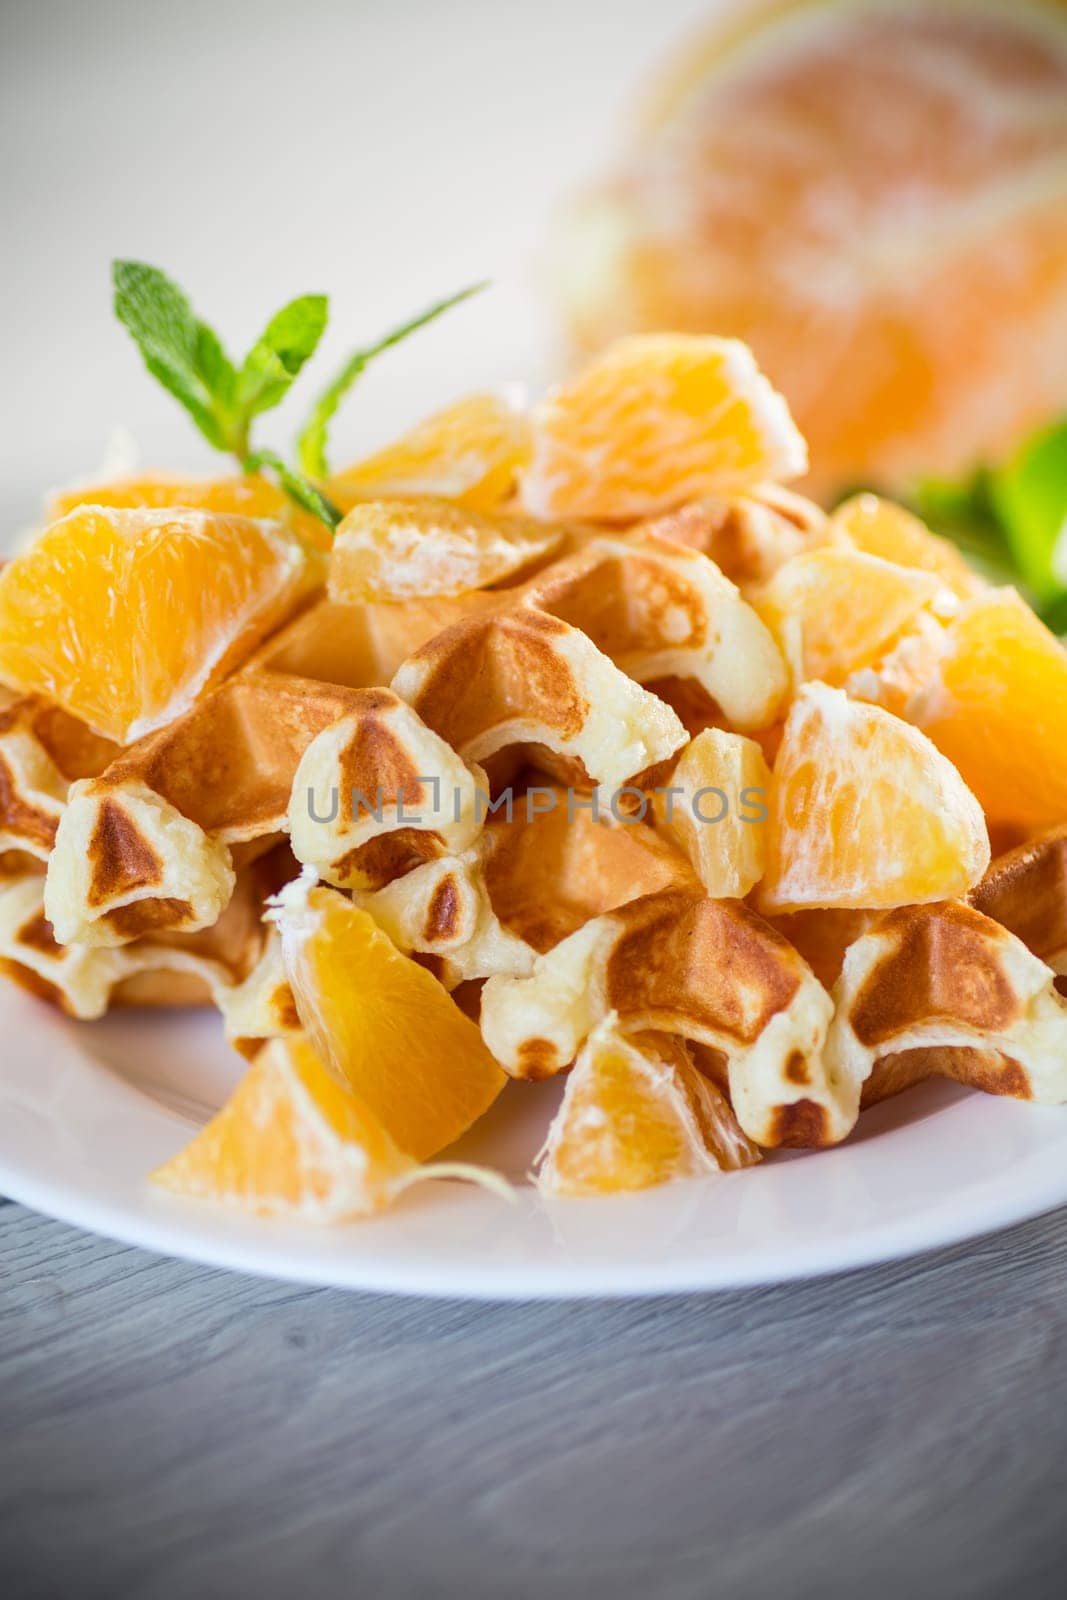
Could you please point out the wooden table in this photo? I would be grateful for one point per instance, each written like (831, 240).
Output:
(170, 1431)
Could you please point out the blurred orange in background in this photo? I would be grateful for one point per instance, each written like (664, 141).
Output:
(873, 194)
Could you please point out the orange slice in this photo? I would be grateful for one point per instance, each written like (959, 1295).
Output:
(656, 421)
(124, 618)
(715, 806)
(997, 707)
(882, 528)
(383, 1024)
(470, 453)
(901, 275)
(291, 1141)
(833, 611)
(415, 549)
(866, 812)
(637, 1113)
(246, 495)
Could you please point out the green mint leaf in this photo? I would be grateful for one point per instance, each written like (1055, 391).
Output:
(1029, 493)
(312, 441)
(287, 342)
(296, 486)
(181, 351)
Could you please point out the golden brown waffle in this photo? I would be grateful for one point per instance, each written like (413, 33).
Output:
(708, 971)
(748, 536)
(942, 990)
(42, 751)
(1026, 891)
(162, 970)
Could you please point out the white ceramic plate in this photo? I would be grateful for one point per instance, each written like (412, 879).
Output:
(87, 1110)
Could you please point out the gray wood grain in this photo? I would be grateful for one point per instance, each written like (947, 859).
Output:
(172, 1431)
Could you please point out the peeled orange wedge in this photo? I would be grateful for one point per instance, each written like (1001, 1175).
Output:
(245, 495)
(997, 707)
(415, 549)
(833, 611)
(382, 1024)
(637, 1113)
(291, 1141)
(881, 528)
(715, 807)
(865, 812)
(653, 422)
(125, 617)
(469, 453)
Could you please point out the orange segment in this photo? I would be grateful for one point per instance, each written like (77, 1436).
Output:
(656, 421)
(470, 453)
(291, 1141)
(415, 549)
(637, 1113)
(247, 495)
(833, 611)
(881, 528)
(998, 708)
(866, 812)
(124, 618)
(383, 1024)
(715, 806)
(901, 275)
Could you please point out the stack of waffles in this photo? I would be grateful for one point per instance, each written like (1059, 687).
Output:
(656, 775)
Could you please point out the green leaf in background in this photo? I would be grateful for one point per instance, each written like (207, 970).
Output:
(313, 438)
(288, 341)
(178, 349)
(297, 487)
(1029, 496)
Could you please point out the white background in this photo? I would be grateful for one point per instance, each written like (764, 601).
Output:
(384, 151)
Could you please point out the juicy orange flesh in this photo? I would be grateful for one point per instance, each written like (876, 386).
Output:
(123, 617)
(247, 495)
(657, 421)
(1000, 710)
(865, 813)
(470, 453)
(628, 1124)
(880, 528)
(290, 1139)
(779, 202)
(834, 611)
(387, 1028)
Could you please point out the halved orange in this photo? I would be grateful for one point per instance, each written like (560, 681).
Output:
(383, 1024)
(469, 453)
(291, 1141)
(874, 196)
(997, 707)
(865, 812)
(656, 421)
(125, 617)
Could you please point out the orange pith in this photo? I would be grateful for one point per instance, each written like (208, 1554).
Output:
(244, 495)
(384, 1025)
(470, 453)
(290, 1141)
(774, 198)
(124, 617)
(636, 1114)
(833, 611)
(656, 421)
(865, 812)
(996, 707)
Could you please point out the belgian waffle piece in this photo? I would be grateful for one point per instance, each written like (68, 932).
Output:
(1026, 891)
(748, 536)
(165, 969)
(42, 752)
(944, 991)
(710, 972)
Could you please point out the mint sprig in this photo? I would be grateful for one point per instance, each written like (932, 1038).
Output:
(311, 444)
(187, 356)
